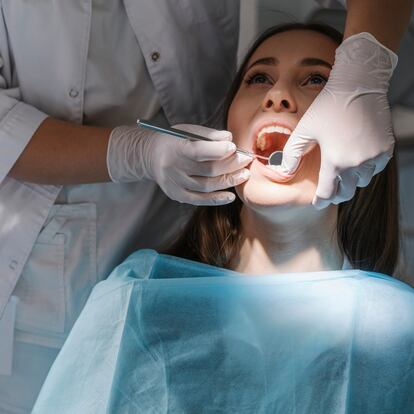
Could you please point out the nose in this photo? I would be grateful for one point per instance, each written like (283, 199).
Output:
(279, 99)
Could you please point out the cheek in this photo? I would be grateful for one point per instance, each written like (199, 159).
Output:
(259, 192)
(242, 109)
(238, 121)
(305, 101)
(231, 116)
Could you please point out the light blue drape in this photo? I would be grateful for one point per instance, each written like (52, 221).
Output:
(167, 335)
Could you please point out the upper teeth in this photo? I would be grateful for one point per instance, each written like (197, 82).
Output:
(274, 128)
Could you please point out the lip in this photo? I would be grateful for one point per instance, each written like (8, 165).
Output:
(258, 126)
(273, 175)
(269, 174)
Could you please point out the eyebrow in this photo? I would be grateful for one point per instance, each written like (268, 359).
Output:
(272, 61)
(269, 61)
(314, 62)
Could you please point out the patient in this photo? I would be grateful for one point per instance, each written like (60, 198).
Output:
(187, 332)
(272, 227)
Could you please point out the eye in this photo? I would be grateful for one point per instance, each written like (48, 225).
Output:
(258, 78)
(315, 79)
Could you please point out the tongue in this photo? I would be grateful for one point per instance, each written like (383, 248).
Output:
(268, 143)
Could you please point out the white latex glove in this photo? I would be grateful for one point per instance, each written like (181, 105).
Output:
(350, 120)
(190, 172)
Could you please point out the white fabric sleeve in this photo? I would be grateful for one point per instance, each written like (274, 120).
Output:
(18, 123)
(24, 207)
(18, 120)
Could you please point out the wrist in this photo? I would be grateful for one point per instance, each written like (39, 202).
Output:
(126, 155)
(367, 45)
(363, 62)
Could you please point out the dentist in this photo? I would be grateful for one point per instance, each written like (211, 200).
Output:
(80, 189)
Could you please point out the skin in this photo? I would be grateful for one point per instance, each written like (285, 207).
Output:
(78, 155)
(386, 20)
(284, 233)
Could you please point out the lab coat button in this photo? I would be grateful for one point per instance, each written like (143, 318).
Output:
(73, 93)
(155, 56)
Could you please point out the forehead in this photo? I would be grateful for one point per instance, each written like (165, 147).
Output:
(294, 45)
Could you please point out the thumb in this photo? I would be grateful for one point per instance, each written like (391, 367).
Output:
(295, 148)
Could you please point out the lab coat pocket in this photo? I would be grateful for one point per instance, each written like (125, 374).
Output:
(58, 276)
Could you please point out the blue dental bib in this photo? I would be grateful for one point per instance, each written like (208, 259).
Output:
(168, 335)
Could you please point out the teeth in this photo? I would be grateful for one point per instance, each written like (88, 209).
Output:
(274, 128)
(261, 142)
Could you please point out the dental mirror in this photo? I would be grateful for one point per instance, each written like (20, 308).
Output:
(276, 158)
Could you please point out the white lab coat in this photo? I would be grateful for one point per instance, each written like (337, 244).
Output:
(57, 242)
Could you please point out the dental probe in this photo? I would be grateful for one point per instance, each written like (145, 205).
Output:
(188, 135)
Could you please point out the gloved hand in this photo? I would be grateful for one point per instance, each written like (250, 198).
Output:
(350, 120)
(187, 171)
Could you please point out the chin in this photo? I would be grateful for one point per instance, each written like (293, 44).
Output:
(261, 191)
(259, 195)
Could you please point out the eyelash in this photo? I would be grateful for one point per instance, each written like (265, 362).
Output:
(316, 74)
(250, 78)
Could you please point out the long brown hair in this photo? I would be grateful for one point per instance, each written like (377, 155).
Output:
(367, 225)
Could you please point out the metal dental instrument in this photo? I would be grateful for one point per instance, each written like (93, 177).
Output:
(188, 135)
(276, 158)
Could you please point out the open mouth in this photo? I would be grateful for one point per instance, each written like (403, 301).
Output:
(269, 139)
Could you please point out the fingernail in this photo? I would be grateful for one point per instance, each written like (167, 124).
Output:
(221, 135)
(244, 158)
(243, 175)
(227, 135)
(319, 204)
(231, 147)
(225, 199)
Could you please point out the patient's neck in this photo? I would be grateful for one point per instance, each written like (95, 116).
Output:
(299, 239)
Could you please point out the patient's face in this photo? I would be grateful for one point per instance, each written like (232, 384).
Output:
(278, 87)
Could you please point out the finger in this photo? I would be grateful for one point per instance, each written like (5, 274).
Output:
(216, 168)
(320, 203)
(327, 186)
(381, 162)
(346, 187)
(180, 194)
(206, 150)
(295, 148)
(209, 184)
(277, 174)
(327, 182)
(207, 199)
(214, 134)
(365, 173)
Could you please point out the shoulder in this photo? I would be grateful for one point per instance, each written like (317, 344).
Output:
(148, 264)
(139, 265)
(384, 293)
(384, 286)
(371, 305)
(386, 307)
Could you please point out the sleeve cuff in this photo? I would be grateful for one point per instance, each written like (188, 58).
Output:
(16, 129)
